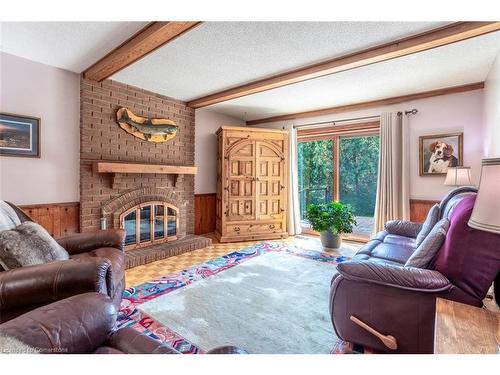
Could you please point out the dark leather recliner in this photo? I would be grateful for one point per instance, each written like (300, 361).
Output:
(84, 324)
(96, 264)
(378, 290)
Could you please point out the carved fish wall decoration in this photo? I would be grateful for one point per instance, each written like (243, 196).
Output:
(151, 130)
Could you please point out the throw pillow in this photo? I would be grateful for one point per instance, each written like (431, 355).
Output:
(425, 253)
(430, 221)
(28, 244)
(8, 217)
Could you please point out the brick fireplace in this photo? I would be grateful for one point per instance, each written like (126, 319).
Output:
(158, 209)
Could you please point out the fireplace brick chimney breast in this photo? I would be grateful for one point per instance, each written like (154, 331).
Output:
(101, 138)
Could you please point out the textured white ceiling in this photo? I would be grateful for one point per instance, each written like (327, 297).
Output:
(72, 46)
(218, 55)
(455, 64)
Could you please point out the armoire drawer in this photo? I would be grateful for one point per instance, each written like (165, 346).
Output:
(243, 229)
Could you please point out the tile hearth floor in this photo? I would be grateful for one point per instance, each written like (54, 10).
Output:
(141, 274)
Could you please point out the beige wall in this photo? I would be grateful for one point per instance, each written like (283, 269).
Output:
(38, 90)
(492, 111)
(205, 148)
(441, 114)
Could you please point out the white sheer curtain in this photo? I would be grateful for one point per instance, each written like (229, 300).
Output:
(393, 185)
(293, 224)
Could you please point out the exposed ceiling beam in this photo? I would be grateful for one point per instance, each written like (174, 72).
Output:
(370, 104)
(151, 37)
(421, 42)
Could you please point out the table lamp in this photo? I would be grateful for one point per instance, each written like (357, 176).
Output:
(486, 212)
(458, 176)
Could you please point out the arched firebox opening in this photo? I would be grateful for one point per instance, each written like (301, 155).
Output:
(150, 223)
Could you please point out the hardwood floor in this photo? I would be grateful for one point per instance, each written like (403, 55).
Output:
(151, 271)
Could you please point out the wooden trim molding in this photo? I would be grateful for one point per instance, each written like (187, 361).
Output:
(419, 209)
(417, 43)
(204, 213)
(151, 37)
(371, 104)
(59, 219)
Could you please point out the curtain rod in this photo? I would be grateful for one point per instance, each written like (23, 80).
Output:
(335, 122)
(413, 111)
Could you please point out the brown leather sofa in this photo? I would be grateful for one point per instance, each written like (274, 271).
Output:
(398, 301)
(84, 324)
(96, 264)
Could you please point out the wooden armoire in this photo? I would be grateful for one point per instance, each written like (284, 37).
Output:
(252, 169)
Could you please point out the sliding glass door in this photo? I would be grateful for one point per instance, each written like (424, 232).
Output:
(315, 170)
(358, 179)
(340, 166)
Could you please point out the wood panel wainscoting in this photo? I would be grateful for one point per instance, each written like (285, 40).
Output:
(419, 209)
(204, 213)
(59, 219)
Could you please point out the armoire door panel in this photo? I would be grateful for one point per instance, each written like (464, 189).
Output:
(276, 169)
(263, 168)
(263, 208)
(275, 206)
(234, 209)
(247, 188)
(247, 207)
(275, 187)
(241, 192)
(234, 168)
(246, 150)
(263, 188)
(246, 168)
(271, 174)
(234, 188)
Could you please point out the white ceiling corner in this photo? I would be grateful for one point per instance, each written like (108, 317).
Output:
(73, 46)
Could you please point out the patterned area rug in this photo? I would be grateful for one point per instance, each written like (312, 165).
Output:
(155, 308)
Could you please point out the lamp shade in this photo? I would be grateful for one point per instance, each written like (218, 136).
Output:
(458, 176)
(486, 213)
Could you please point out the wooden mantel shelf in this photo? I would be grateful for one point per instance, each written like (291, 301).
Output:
(119, 167)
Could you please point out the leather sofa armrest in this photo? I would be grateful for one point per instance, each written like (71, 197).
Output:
(77, 324)
(130, 341)
(403, 228)
(409, 278)
(229, 349)
(88, 241)
(45, 283)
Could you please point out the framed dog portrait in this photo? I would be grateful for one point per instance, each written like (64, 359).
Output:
(438, 152)
(19, 135)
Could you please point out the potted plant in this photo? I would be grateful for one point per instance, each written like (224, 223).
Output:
(331, 220)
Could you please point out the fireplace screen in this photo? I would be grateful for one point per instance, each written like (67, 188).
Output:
(149, 223)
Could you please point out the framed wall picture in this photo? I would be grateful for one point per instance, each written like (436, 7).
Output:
(19, 135)
(438, 152)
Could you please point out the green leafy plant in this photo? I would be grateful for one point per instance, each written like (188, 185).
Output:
(336, 216)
